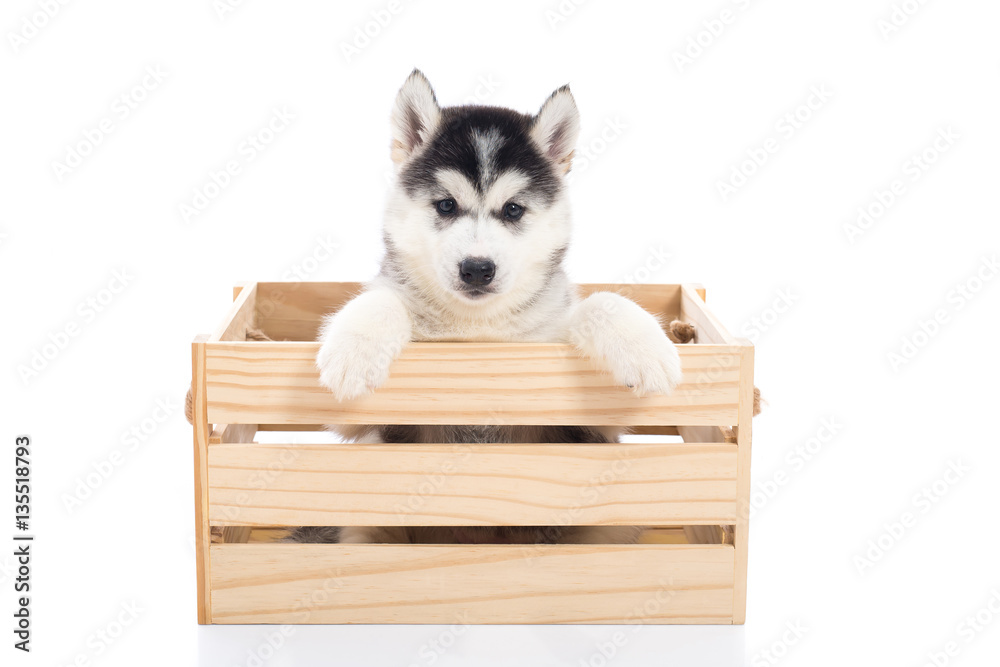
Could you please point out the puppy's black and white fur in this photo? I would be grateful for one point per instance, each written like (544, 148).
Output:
(475, 232)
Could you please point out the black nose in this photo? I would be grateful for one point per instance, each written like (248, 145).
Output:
(477, 271)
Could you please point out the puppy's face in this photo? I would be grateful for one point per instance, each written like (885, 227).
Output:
(478, 213)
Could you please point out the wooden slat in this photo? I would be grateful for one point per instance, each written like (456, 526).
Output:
(231, 433)
(743, 438)
(704, 534)
(465, 383)
(653, 430)
(291, 427)
(702, 433)
(241, 316)
(318, 583)
(236, 534)
(708, 327)
(661, 300)
(472, 484)
(633, 430)
(294, 310)
(202, 530)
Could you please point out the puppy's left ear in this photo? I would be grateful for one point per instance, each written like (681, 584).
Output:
(415, 117)
(557, 127)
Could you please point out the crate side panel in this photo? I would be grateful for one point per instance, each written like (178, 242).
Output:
(308, 583)
(202, 530)
(743, 441)
(294, 310)
(472, 484)
(661, 300)
(242, 316)
(466, 383)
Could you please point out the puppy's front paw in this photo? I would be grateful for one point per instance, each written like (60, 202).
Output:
(360, 342)
(628, 342)
(648, 364)
(351, 365)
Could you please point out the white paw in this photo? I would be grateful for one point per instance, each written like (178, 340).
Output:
(360, 342)
(352, 365)
(648, 364)
(628, 342)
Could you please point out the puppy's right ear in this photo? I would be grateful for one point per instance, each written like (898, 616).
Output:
(415, 117)
(556, 128)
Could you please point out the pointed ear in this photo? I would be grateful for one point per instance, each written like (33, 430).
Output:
(557, 127)
(415, 116)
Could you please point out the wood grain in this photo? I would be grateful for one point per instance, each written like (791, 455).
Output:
(741, 529)
(241, 316)
(472, 484)
(702, 484)
(465, 383)
(664, 301)
(236, 534)
(232, 433)
(702, 433)
(653, 430)
(202, 530)
(318, 583)
(709, 328)
(294, 310)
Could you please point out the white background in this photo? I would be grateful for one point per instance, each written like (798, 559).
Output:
(825, 308)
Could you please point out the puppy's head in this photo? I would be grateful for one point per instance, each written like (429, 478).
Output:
(478, 213)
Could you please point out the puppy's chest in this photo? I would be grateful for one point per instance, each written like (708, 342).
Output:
(528, 329)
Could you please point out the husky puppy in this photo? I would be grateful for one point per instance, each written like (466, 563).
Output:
(475, 232)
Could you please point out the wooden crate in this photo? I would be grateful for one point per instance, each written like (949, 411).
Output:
(693, 574)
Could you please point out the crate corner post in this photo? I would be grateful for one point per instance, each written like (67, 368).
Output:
(743, 443)
(199, 419)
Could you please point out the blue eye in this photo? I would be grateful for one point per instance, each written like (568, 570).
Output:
(446, 206)
(513, 211)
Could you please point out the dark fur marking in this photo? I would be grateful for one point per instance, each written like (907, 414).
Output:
(572, 434)
(556, 259)
(315, 535)
(454, 147)
(516, 226)
(414, 126)
(399, 434)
